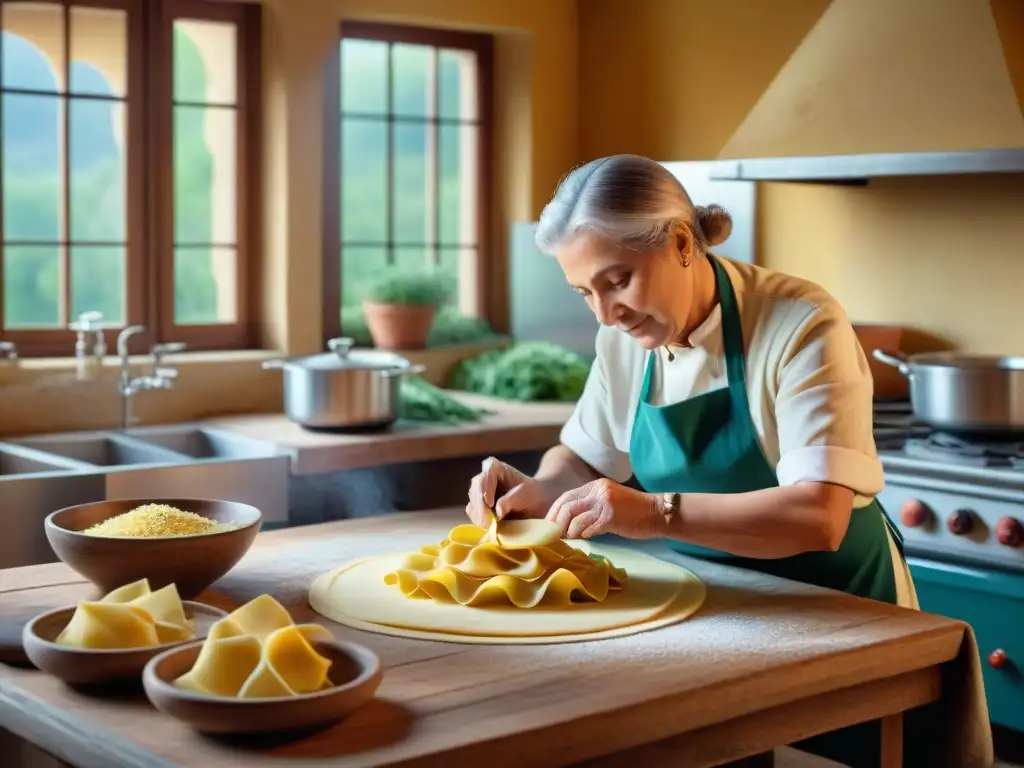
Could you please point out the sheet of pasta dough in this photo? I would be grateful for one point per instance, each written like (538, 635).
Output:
(658, 593)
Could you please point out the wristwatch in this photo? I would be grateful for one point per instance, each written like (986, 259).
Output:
(671, 505)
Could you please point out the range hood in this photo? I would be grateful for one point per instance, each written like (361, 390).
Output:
(891, 88)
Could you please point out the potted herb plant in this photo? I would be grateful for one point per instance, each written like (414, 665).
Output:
(400, 306)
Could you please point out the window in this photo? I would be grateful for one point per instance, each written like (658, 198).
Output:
(127, 161)
(408, 129)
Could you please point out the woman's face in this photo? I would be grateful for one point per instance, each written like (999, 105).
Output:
(646, 294)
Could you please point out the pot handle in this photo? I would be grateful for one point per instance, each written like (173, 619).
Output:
(897, 361)
(341, 346)
(277, 364)
(412, 370)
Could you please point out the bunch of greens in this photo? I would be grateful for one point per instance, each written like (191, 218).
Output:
(409, 287)
(422, 401)
(527, 371)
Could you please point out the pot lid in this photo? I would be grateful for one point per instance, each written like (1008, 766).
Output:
(344, 356)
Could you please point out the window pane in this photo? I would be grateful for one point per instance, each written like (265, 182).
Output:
(412, 187)
(458, 265)
(412, 85)
(33, 46)
(99, 58)
(360, 266)
(32, 178)
(364, 76)
(205, 286)
(413, 259)
(32, 286)
(97, 156)
(458, 168)
(205, 181)
(205, 62)
(98, 281)
(364, 180)
(457, 83)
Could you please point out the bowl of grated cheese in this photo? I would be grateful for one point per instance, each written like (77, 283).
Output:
(188, 542)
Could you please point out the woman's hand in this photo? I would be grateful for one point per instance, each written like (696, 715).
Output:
(603, 506)
(505, 490)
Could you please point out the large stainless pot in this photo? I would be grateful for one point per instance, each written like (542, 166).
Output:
(343, 388)
(964, 393)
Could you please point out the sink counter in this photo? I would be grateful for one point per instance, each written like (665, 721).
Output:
(509, 427)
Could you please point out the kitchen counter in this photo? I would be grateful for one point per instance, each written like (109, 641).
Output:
(763, 663)
(510, 427)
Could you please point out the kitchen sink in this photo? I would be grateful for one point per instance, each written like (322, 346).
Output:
(180, 461)
(204, 443)
(102, 450)
(32, 485)
(17, 464)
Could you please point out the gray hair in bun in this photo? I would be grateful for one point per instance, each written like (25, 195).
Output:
(631, 200)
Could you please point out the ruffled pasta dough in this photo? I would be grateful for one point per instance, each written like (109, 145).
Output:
(259, 652)
(371, 594)
(131, 616)
(518, 562)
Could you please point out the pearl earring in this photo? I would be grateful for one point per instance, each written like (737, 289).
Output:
(686, 261)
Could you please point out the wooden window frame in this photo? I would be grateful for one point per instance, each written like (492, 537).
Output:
(149, 180)
(480, 44)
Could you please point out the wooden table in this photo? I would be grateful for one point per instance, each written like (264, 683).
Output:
(765, 662)
(509, 427)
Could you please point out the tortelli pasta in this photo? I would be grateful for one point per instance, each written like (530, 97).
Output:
(132, 616)
(259, 652)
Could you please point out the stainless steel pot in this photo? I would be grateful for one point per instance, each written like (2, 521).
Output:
(343, 388)
(964, 393)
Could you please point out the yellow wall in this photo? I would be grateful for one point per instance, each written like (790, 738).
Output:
(672, 79)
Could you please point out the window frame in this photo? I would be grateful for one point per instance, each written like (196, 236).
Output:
(149, 246)
(248, 132)
(482, 45)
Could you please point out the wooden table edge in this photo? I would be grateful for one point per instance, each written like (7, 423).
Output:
(745, 736)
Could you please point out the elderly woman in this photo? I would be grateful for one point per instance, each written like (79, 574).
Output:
(737, 398)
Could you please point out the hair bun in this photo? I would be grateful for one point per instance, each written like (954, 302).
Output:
(715, 223)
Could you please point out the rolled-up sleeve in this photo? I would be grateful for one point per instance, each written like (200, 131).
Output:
(823, 408)
(589, 431)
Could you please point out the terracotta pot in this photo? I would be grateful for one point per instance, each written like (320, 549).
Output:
(395, 326)
(890, 384)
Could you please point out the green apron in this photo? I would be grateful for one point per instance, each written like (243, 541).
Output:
(708, 444)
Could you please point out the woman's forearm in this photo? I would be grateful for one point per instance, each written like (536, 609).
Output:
(765, 524)
(562, 470)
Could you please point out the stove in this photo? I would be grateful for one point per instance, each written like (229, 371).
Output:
(958, 500)
(957, 497)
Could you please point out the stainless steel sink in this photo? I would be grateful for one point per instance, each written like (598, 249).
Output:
(204, 443)
(177, 461)
(32, 485)
(103, 450)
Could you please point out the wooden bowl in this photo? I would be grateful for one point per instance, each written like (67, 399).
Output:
(83, 666)
(355, 670)
(192, 563)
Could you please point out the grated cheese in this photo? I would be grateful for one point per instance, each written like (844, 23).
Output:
(151, 520)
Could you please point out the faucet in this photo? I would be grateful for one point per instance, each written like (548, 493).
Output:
(90, 347)
(9, 350)
(161, 377)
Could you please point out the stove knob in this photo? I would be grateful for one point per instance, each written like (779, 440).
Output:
(960, 522)
(914, 513)
(1010, 532)
(997, 659)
